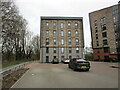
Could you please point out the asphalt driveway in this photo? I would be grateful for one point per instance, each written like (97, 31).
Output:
(101, 75)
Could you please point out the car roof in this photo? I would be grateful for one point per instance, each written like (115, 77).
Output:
(66, 58)
(77, 58)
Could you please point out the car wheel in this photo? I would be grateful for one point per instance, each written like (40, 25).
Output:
(74, 69)
(69, 66)
(87, 69)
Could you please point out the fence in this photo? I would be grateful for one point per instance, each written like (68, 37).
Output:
(14, 68)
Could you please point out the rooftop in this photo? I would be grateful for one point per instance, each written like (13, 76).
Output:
(104, 8)
(60, 18)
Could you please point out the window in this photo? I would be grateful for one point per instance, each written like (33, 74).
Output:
(106, 58)
(62, 41)
(54, 32)
(47, 59)
(106, 49)
(62, 33)
(118, 50)
(97, 43)
(96, 36)
(70, 50)
(47, 49)
(70, 57)
(54, 50)
(62, 57)
(47, 33)
(76, 33)
(47, 41)
(105, 42)
(77, 56)
(104, 27)
(76, 25)
(54, 25)
(77, 41)
(115, 7)
(62, 25)
(54, 41)
(104, 34)
(77, 50)
(69, 25)
(69, 33)
(103, 19)
(69, 41)
(114, 19)
(62, 50)
(98, 51)
(95, 22)
(115, 10)
(98, 57)
(54, 57)
(96, 29)
(47, 25)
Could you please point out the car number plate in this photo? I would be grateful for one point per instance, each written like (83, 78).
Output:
(83, 67)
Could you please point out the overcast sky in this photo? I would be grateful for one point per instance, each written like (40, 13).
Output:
(31, 10)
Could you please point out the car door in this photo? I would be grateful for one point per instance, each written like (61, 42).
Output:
(73, 63)
(70, 63)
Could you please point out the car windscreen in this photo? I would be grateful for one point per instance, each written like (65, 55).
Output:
(79, 60)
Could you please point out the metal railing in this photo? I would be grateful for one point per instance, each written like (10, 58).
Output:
(11, 69)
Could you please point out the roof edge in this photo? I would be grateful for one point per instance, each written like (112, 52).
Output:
(60, 18)
(103, 8)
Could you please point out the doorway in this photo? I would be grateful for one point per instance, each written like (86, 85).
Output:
(47, 59)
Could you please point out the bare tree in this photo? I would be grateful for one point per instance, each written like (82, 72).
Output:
(13, 32)
(89, 53)
(28, 45)
(36, 46)
(18, 43)
(9, 13)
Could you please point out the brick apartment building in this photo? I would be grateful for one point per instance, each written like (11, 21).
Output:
(105, 33)
(61, 37)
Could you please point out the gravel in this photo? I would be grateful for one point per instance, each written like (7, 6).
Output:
(10, 79)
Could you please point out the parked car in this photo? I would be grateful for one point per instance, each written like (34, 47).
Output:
(114, 60)
(55, 61)
(79, 64)
(66, 60)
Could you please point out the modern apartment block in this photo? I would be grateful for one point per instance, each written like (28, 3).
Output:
(61, 37)
(105, 33)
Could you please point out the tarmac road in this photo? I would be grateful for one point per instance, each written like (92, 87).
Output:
(101, 75)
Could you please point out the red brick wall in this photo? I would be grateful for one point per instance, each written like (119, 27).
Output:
(102, 54)
(114, 56)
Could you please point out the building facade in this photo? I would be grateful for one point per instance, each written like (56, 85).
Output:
(105, 33)
(61, 37)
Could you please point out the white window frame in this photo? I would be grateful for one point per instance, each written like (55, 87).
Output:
(62, 41)
(77, 41)
(62, 50)
(62, 33)
(61, 25)
(76, 25)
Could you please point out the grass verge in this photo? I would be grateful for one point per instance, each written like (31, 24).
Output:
(7, 64)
